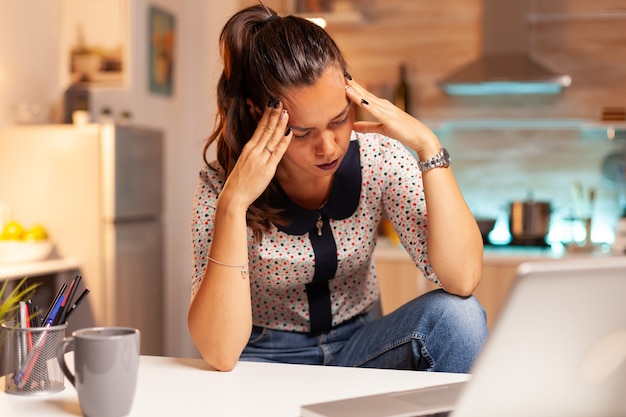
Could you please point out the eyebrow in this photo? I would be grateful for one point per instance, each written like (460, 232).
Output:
(341, 113)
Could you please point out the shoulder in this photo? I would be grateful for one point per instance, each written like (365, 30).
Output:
(213, 174)
(211, 180)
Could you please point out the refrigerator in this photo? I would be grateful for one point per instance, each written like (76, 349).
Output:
(98, 190)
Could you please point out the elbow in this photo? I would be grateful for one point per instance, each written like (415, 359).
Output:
(466, 286)
(222, 363)
(214, 347)
(218, 358)
(463, 283)
(461, 289)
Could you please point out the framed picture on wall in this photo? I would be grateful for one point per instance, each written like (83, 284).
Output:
(161, 37)
(95, 42)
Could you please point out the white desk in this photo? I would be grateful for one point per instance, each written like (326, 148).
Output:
(177, 387)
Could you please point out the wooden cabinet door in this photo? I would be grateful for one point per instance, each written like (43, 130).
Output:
(401, 281)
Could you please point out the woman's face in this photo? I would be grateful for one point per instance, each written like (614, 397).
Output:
(320, 117)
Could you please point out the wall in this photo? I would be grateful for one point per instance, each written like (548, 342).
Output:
(29, 70)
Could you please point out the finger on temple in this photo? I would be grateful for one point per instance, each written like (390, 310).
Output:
(278, 121)
(267, 125)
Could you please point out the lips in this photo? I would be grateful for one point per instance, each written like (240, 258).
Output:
(329, 166)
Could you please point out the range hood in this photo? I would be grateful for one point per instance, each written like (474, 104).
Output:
(505, 66)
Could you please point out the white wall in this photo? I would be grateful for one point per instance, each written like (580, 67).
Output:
(29, 55)
(30, 71)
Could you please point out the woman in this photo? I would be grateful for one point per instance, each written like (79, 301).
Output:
(285, 221)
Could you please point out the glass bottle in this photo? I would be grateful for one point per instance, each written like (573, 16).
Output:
(619, 245)
(76, 98)
(402, 93)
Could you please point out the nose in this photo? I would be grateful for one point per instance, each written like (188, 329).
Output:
(327, 143)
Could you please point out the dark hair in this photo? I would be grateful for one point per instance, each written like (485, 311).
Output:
(264, 56)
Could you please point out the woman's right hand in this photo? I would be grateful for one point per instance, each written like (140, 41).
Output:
(220, 314)
(259, 158)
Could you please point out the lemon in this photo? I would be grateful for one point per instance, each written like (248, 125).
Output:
(12, 231)
(36, 232)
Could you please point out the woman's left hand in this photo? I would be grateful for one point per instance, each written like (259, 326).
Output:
(455, 249)
(392, 121)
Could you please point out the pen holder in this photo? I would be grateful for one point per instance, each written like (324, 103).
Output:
(32, 366)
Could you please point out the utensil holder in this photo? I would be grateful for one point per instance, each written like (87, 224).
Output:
(32, 367)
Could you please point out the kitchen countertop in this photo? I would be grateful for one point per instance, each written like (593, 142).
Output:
(496, 255)
(23, 269)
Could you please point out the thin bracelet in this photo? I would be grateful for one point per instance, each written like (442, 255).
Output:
(244, 268)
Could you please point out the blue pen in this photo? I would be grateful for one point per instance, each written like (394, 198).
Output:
(55, 311)
(54, 302)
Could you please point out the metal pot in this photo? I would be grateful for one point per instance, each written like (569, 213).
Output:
(529, 219)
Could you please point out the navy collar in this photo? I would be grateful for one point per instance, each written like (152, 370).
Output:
(345, 194)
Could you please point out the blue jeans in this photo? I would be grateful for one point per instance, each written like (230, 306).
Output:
(434, 332)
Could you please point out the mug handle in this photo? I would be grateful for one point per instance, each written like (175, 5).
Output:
(66, 346)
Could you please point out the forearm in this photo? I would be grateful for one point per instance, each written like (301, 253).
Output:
(455, 248)
(220, 316)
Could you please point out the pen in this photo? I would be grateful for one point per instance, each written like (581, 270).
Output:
(22, 376)
(54, 302)
(22, 315)
(23, 324)
(78, 300)
(62, 317)
(27, 325)
(32, 310)
(66, 298)
(55, 311)
(36, 316)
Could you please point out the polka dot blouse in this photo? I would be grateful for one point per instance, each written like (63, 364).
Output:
(377, 176)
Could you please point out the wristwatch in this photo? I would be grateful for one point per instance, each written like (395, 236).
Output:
(441, 160)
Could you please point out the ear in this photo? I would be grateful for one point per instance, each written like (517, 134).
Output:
(253, 109)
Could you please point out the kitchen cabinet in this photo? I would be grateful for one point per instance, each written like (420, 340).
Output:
(400, 280)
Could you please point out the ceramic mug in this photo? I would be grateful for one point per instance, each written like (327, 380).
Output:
(106, 361)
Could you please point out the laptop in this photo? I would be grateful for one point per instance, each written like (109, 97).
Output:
(558, 349)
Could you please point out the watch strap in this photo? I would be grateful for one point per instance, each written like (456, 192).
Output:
(440, 160)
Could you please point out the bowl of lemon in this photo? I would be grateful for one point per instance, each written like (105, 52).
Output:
(20, 244)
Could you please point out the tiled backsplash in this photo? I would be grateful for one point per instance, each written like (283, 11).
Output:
(498, 162)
